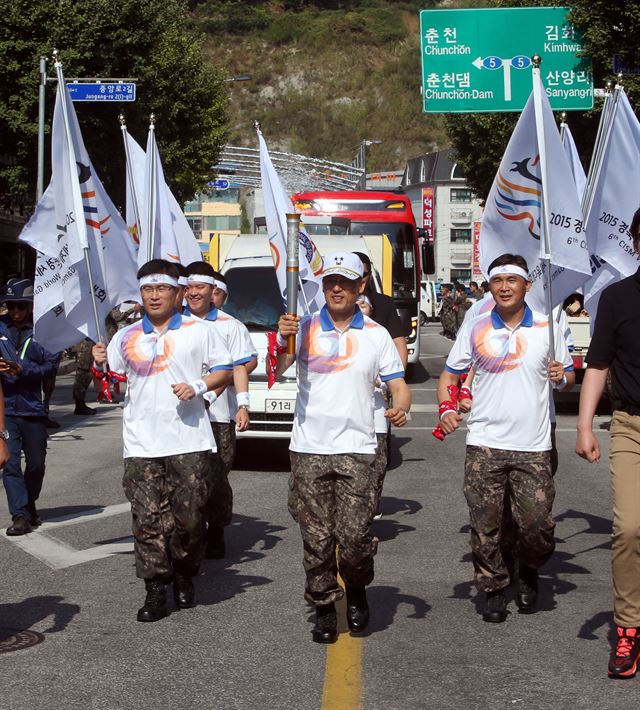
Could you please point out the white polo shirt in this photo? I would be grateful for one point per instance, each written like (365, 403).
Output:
(337, 372)
(511, 387)
(155, 422)
(236, 340)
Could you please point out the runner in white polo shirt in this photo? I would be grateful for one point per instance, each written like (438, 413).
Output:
(509, 440)
(167, 436)
(229, 407)
(340, 355)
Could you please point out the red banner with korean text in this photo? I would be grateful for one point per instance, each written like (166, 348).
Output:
(428, 213)
(476, 249)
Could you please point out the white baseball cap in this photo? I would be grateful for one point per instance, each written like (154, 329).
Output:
(342, 263)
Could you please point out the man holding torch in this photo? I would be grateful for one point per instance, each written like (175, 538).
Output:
(332, 493)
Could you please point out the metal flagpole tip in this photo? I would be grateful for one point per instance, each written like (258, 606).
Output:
(152, 119)
(620, 79)
(56, 55)
(121, 118)
(563, 116)
(536, 60)
(256, 125)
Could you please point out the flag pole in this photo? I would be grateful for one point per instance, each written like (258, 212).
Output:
(151, 193)
(544, 242)
(78, 205)
(563, 125)
(132, 188)
(603, 123)
(293, 272)
(596, 161)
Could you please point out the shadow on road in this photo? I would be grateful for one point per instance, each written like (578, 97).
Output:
(597, 621)
(396, 506)
(395, 455)
(247, 539)
(67, 511)
(31, 611)
(385, 602)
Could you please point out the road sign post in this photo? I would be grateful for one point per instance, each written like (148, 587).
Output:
(479, 60)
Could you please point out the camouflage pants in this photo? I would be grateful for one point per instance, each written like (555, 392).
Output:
(83, 377)
(220, 504)
(381, 463)
(333, 499)
(524, 481)
(168, 497)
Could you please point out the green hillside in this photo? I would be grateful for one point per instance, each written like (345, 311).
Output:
(325, 75)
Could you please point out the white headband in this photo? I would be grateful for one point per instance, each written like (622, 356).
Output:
(509, 269)
(158, 279)
(201, 279)
(221, 285)
(182, 281)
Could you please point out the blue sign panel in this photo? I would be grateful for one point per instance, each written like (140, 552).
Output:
(102, 91)
(219, 184)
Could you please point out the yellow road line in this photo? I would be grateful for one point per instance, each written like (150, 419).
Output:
(343, 668)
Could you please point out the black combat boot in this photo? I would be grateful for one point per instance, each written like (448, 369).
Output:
(357, 608)
(527, 594)
(214, 547)
(82, 410)
(183, 592)
(155, 605)
(326, 627)
(495, 608)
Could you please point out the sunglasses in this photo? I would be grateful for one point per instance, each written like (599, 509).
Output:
(20, 305)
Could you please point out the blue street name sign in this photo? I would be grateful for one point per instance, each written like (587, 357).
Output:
(102, 91)
(220, 184)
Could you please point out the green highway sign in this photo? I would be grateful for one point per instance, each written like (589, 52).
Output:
(480, 60)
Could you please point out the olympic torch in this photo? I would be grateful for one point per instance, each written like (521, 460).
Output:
(293, 268)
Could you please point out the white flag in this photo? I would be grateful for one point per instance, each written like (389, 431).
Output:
(513, 220)
(169, 232)
(135, 191)
(616, 193)
(276, 206)
(76, 210)
(575, 164)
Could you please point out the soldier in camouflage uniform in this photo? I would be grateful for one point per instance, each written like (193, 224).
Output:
(333, 487)
(508, 460)
(83, 376)
(447, 312)
(167, 436)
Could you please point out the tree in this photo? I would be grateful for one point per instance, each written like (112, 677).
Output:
(145, 39)
(608, 28)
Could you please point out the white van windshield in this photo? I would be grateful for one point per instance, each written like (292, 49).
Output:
(254, 297)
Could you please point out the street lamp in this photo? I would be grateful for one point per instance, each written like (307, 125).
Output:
(361, 160)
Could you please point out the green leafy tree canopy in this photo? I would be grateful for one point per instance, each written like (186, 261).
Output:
(145, 39)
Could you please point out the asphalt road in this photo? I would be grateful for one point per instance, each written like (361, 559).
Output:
(71, 590)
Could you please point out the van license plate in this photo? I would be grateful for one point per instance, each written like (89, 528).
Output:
(280, 405)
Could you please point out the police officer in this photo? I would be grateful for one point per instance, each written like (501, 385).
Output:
(340, 355)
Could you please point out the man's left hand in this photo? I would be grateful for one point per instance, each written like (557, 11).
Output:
(556, 371)
(242, 419)
(183, 391)
(397, 416)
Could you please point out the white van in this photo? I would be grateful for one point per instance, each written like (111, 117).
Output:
(429, 304)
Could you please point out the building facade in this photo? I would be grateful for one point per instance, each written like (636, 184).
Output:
(218, 213)
(445, 206)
